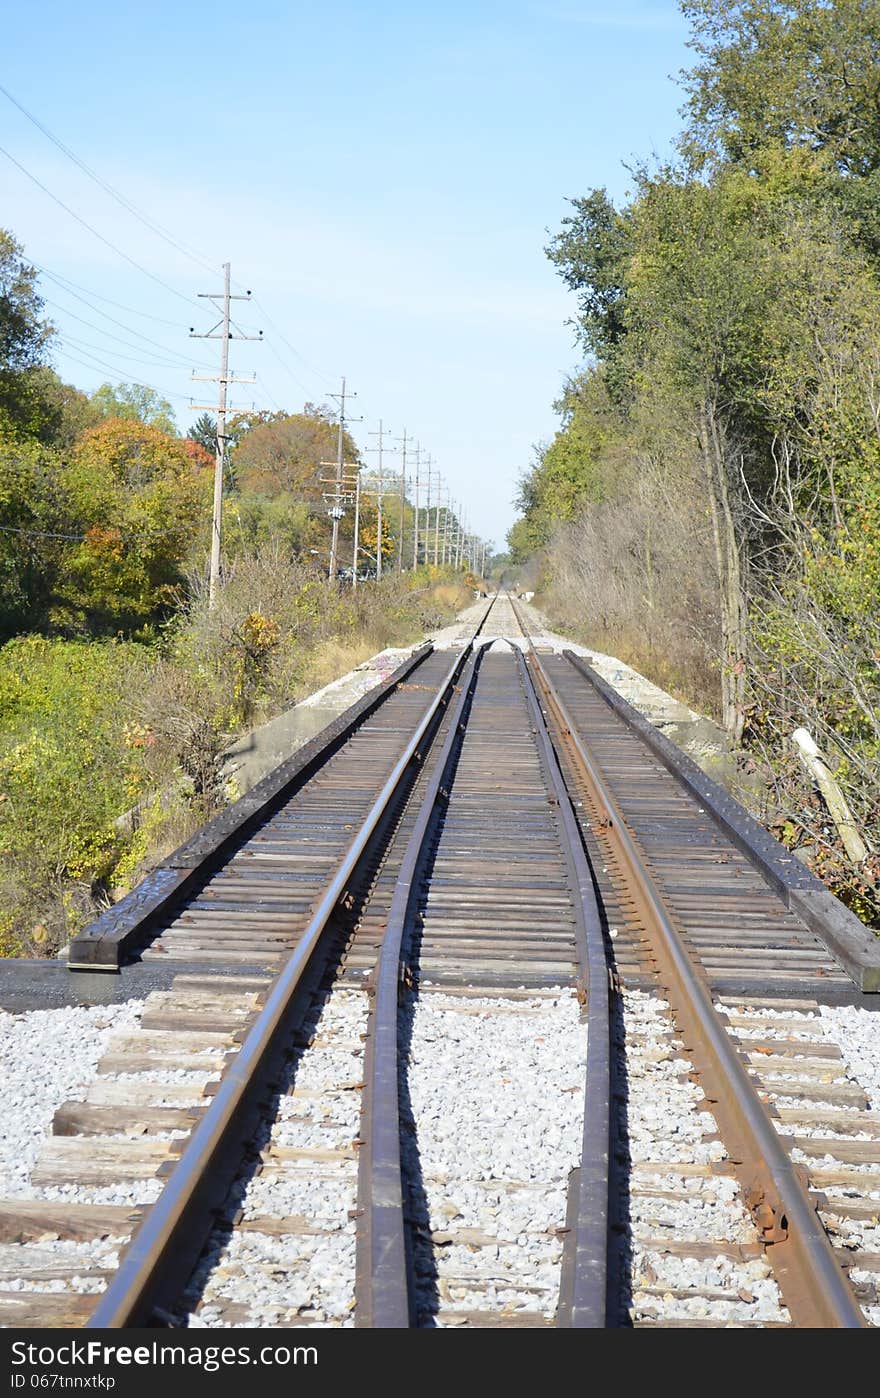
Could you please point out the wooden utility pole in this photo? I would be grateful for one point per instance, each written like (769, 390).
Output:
(336, 510)
(432, 475)
(416, 510)
(402, 441)
(380, 435)
(357, 525)
(222, 331)
(437, 522)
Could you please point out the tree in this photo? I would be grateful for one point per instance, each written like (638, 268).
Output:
(140, 500)
(591, 252)
(723, 503)
(134, 401)
(34, 517)
(24, 337)
(574, 466)
(789, 72)
(64, 412)
(281, 453)
(204, 431)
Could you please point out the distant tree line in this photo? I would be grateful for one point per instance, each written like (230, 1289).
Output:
(105, 509)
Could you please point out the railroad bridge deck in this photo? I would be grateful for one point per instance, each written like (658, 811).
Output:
(490, 839)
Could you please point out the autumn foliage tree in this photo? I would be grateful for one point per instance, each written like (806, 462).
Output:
(140, 500)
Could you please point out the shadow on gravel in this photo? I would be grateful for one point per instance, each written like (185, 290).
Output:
(619, 1293)
(421, 1257)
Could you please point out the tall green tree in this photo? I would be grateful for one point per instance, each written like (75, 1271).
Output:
(790, 72)
(35, 517)
(24, 338)
(204, 431)
(591, 252)
(135, 402)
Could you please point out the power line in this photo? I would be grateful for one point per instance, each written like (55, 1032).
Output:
(287, 369)
(100, 236)
(185, 361)
(262, 389)
(141, 358)
(319, 374)
(65, 283)
(108, 188)
(113, 321)
(116, 369)
(53, 534)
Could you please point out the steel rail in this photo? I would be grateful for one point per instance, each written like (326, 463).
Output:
(814, 1287)
(174, 1229)
(384, 1287)
(583, 1296)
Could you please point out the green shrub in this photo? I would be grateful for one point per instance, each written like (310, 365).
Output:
(69, 766)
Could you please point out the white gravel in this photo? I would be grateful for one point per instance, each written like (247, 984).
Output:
(665, 1128)
(249, 1277)
(497, 1107)
(47, 1057)
(857, 1034)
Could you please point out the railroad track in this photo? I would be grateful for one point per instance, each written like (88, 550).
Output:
(727, 971)
(444, 983)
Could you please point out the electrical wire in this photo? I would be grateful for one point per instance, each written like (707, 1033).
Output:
(184, 360)
(106, 241)
(115, 369)
(65, 283)
(318, 374)
(78, 538)
(142, 358)
(108, 188)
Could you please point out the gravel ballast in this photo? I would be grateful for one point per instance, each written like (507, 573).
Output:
(47, 1057)
(494, 1090)
(303, 1271)
(666, 1132)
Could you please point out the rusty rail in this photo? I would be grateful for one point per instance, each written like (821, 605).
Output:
(385, 1288)
(384, 1281)
(583, 1299)
(167, 1243)
(810, 1277)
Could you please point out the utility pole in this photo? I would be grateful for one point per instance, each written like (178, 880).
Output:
(336, 511)
(380, 434)
(357, 525)
(437, 521)
(402, 441)
(432, 476)
(224, 335)
(416, 512)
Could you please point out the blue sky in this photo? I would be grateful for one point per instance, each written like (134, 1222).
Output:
(382, 176)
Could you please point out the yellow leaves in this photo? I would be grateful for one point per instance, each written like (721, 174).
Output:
(260, 633)
(91, 854)
(137, 735)
(106, 542)
(10, 942)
